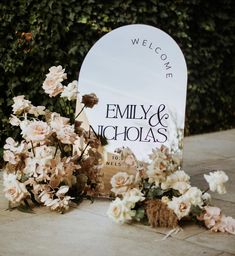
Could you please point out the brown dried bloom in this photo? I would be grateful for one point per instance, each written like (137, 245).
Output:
(159, 215)
(89, 100)
(27, 36)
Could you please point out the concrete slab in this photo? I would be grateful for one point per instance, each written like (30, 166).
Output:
(207, 147)
(83, 233)
(194, 168)
(219, 241)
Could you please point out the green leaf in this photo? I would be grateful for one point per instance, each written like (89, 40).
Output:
(140, 214)
(25, 209)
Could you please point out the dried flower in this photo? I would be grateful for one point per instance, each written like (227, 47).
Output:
(44, 167)
(159, 215)
(216, 181)
(89, 100)
(64, 131)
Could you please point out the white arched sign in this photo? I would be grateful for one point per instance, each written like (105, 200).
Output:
(139, 74)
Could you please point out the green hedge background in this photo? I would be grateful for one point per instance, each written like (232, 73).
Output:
(37, 34)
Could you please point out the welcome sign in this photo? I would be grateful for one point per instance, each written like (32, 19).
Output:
(139, 74)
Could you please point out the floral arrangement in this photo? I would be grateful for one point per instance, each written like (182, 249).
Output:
(55, 162)
(162, 195)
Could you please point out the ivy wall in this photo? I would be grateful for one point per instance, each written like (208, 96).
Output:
(37, 34)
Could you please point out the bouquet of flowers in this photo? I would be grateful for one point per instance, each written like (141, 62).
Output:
(162, 195)
(55, 162)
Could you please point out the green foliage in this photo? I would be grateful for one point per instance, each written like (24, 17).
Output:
(37, 34)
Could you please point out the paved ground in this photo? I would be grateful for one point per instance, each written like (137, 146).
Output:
(87, 231)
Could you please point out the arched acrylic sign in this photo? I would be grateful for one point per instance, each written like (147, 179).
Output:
(139, 74)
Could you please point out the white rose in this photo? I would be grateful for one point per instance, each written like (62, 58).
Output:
(180, 206)
(119, 212)
(57, 73)
(36, 131)
(178, 180)
(133, 196)
(70, 92)
(20, 105)
(121, 182)
(194, 196)
(14, 121)
(216, 181)
(15, 191)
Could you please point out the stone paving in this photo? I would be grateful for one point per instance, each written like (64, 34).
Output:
(86, 230)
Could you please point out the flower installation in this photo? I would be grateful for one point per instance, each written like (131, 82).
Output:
(54, 161)
(162, 196)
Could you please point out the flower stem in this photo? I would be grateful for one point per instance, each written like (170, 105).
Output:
(56, 150)
(80, 158)
(32, 148)
(79, 112)
(205, 191)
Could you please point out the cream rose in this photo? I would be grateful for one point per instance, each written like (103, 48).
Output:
(178, 180)
(15, 191)
(121, 182)
(180, 206)
(52, 87)
(20, 105)
(70, 91)
(36, 131)
(119, 212)
(57, 73)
